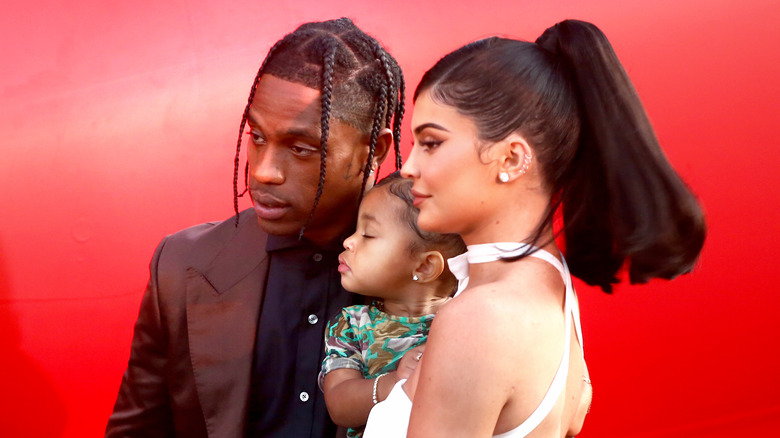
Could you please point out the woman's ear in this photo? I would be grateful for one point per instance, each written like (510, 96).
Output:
(430, 267)
(514, 158)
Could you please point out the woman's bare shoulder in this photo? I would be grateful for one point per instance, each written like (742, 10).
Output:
(527, 301)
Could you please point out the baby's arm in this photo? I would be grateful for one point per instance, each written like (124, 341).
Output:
(349, 396)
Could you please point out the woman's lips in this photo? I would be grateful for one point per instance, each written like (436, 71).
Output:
(419, 198)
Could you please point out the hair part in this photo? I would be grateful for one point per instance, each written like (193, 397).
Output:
(622, 203)
(361, 84)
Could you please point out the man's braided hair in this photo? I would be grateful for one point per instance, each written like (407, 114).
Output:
(361, 84)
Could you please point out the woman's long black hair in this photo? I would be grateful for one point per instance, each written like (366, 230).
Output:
(622, 203)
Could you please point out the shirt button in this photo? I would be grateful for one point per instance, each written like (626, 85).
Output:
(304, 396)
(313, 319)
(317, 257)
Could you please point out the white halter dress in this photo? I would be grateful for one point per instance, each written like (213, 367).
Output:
(390, 418)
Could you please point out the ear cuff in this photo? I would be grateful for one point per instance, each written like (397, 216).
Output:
(504, 176)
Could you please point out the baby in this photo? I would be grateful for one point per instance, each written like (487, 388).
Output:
(404, 269)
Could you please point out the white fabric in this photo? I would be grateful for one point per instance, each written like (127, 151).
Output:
(390, 418)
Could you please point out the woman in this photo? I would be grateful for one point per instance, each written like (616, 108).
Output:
(508, 134)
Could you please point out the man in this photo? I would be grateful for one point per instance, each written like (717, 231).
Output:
(228, 340)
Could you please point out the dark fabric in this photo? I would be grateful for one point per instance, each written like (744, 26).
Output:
(302, 293)
(192, 350)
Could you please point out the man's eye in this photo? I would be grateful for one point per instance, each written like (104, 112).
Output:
(303, 151)
(257, 137)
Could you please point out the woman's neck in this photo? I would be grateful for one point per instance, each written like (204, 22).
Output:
(493, 271)
(515, 220)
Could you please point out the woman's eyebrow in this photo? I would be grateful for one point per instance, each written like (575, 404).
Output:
(420, 128)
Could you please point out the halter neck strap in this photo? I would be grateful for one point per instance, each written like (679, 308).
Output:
(490, 252)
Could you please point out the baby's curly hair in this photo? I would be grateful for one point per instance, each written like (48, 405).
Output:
(449, 244)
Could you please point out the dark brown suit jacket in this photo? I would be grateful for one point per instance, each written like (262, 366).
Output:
(192, 349)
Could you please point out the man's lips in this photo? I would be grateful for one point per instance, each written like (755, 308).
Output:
(269, 207)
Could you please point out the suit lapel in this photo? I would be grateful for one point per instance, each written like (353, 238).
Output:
(223, 303)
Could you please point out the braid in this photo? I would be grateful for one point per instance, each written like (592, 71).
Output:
(383, 113)
(399, 115)
(244, 117)
(379, 119)
(377, 125)
(394, 98)
(361, 85)
(389, 85)
(327, 92)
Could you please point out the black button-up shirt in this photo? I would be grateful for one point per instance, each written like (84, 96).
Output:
(303, 292)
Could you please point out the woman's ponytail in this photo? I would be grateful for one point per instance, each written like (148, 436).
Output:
(622, 201)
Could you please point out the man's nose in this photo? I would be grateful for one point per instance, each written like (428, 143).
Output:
(267, 165)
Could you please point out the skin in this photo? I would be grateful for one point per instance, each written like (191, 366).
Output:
(377, 262)
(492, 375)
(284, 162)
(443, 211)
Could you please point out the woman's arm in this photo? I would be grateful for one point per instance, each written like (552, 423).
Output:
(488, 363)
(586, 397)
(458, 391)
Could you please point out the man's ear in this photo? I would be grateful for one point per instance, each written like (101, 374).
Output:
(429, 267)
(384, 144)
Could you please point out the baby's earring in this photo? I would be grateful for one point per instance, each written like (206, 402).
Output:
(415, 277)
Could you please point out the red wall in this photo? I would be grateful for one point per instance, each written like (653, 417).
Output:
(117, 126)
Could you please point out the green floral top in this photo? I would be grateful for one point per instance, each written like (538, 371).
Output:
(371, 341)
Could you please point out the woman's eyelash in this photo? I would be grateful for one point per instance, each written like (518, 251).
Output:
(429, 144)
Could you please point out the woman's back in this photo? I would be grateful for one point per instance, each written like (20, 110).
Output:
(517, 309)
(545, 343)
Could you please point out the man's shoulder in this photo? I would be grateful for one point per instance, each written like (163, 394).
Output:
(198, 244)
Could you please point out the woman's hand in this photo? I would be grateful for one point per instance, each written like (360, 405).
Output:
(409, 362)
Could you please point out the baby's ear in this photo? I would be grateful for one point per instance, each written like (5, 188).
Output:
(429, 267)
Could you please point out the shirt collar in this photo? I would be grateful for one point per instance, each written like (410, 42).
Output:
(277, 243)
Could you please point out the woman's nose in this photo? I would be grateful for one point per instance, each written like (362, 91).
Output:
(409, 169)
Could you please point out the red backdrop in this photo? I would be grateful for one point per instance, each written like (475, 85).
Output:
(118, 122)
